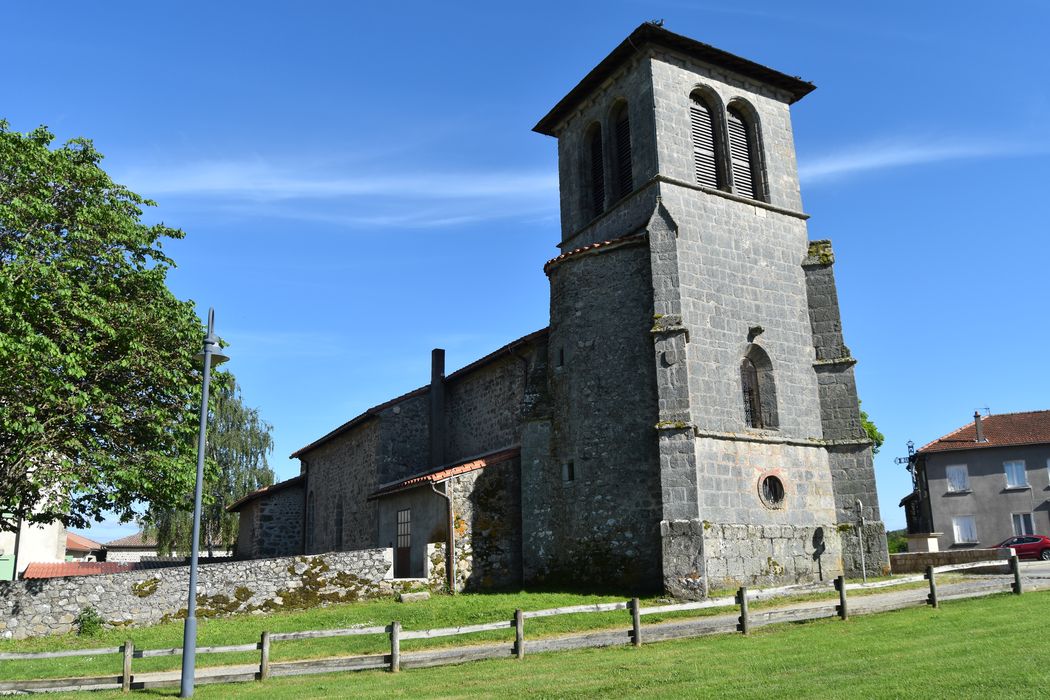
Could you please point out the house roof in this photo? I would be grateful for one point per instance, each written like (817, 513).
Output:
(136, 541)
(507, 349)
(79, 543)
(265, 490)
(602, 245)
(447, 471)
(1000, 430)
(651, 35)
(74, 568)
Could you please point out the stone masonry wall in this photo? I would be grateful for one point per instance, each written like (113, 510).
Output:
(340, 474)
(599, 525)
(278, 524)
(40, 607)
(483, 408)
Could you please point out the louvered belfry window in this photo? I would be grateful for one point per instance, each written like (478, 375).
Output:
(624, 176)
(704, 159)
(597, 172)
(741, 151)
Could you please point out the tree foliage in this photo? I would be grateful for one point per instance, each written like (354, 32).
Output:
(876, 437)
(98, 385)
(238, 444)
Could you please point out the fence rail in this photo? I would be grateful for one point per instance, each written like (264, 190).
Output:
(673, 629)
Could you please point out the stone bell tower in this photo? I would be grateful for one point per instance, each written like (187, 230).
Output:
(701, 427)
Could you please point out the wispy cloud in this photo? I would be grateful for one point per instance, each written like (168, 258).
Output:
(264, 182)
(351, 196)
(884, 155)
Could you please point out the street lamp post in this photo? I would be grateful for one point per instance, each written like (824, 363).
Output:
(211, 353)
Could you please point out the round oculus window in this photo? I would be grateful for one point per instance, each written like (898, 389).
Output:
(771, 489)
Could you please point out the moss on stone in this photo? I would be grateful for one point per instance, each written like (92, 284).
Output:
(144, 589)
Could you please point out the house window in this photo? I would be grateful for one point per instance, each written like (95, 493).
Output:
(595, 168)
(958, 478)
(759, 389)
(1015, 474)
(706, 157)
(965, 529)
(622, 133)
(1023, 524)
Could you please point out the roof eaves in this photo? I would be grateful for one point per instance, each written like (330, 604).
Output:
(264, 491)
(650, 34)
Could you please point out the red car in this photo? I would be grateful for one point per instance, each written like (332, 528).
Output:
(1029, 546)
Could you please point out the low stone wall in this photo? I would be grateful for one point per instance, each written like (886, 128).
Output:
(916, 562)
(38, 607)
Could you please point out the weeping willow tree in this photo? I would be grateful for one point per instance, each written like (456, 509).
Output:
(235, 465)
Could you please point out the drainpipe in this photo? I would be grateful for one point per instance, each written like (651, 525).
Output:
(450, 541)
(18, 540)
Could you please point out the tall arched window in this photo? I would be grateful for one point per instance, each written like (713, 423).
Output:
(595, 168)
(622, 133)
(743, 152)
(759, 389)
(707, 156)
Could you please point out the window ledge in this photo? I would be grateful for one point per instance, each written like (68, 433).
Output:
(960, 492)
(1026, 487)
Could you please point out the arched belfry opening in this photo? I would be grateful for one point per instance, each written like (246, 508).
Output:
(759, 389)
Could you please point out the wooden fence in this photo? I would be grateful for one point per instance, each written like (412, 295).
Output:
(394, 661)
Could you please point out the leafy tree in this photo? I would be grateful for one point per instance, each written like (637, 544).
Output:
(238, 443)
(98, 386)
(876, 437)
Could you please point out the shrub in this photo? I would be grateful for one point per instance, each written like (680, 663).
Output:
(89, 622)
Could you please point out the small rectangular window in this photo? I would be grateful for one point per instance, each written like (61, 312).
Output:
(964, 528)
(561, 357)
(1015, 474)
(1023, 524)
(404, 528)
(568, 472)
(958, 478)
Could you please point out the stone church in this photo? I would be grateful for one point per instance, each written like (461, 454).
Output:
(688, 421)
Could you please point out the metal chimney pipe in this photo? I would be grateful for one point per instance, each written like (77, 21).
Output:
(978, 426)
(437, 407)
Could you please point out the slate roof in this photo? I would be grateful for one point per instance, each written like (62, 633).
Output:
(74, 568)
(650, 34)
(138, 540)
(507, 349)
(79, 543)
(272, 488)
(1000, 430)
(447, 471)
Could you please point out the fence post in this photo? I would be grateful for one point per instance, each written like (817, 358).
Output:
(841, 609)
(931, 599)
(741, 598)
(636, 622)
(1015, 566)
(395, 646)
(264, 656)
(519, 634)
(125, 676)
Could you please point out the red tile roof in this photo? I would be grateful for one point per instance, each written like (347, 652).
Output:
(74, 568)
(272, 488)
(1028, 428)
(138, 540)
(79, 543)
(509, 348)
(614, 243)
(448, 471)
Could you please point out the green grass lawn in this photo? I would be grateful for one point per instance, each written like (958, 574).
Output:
(439, 611)
(988, 647)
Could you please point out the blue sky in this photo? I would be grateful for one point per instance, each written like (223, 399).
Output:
(359, 183)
